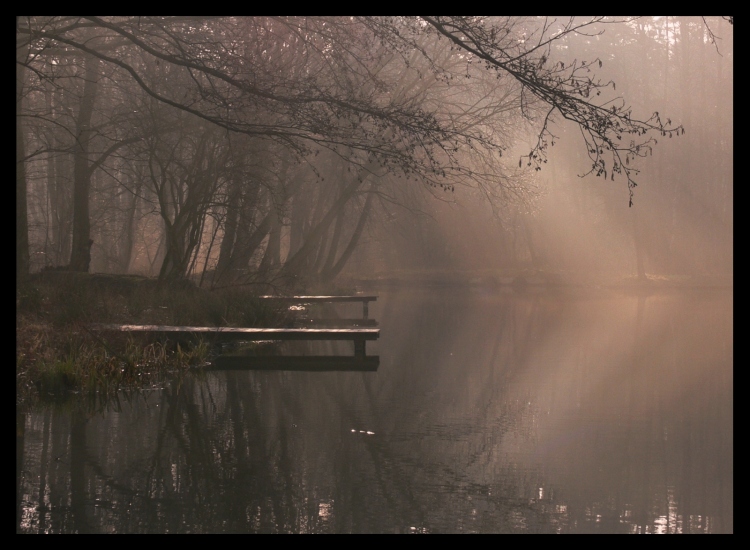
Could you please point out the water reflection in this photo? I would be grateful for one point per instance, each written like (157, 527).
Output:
(488, 413)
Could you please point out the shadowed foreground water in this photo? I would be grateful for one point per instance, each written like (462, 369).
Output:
(490, 412)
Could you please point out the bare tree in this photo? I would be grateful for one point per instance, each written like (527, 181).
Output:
(435, 100)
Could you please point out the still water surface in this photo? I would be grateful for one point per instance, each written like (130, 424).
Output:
(491, 412)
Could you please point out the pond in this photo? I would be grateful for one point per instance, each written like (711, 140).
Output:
(491, 411)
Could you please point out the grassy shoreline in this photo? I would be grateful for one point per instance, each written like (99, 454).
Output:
(58, 357)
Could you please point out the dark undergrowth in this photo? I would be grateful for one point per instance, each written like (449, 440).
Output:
(58, 357)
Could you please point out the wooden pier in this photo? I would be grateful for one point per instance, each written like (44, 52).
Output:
(233, 334)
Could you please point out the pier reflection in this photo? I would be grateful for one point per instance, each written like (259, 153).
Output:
(318, 363)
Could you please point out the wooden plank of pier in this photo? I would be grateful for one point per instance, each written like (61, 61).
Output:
(303, 322)
(224, 334)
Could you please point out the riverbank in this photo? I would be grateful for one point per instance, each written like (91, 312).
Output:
(537, 279)
(56, 356)
(547, 278)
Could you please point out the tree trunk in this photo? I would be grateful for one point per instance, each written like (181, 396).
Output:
(333, 248)
(174, 257)
(333, 271)
(296, 224)
(295, 265)
(159, 254)
(80, 256)
(62, 218)
(244, 237)
(22, 223)
(272, 256)
(184, 200)
(245, 247)
(183, 235)
(296, 262)
(320, 256)
(231, 218)
(126, 246)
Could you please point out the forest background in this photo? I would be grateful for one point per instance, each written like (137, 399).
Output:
(295, 151)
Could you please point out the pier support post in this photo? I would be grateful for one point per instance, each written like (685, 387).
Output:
(359, 348)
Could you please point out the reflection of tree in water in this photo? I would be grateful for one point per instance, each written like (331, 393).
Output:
(593, 453)
(416, 477)
(529, 414)
(239, 461)
(465, 431)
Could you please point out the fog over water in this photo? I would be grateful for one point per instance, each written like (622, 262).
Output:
(490, 412)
